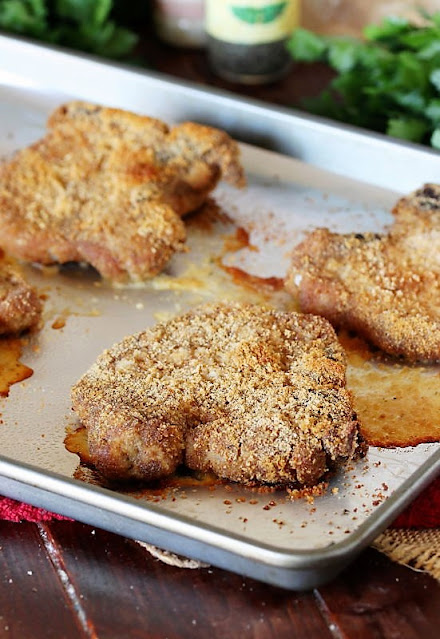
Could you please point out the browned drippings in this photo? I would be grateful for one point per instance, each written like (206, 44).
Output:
(76, 442)
(12, 370)
(397, 404)
(186, 479)
(254, 282)
(234, 243)
(237, 241)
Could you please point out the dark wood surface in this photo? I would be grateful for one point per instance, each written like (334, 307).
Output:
(66, 580)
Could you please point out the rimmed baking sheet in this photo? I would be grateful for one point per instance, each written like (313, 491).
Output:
(295, 544)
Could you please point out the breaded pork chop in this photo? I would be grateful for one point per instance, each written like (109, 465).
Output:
(254, 395)
(375, 285)
(20, 306)
(417, 227)
(109, 187)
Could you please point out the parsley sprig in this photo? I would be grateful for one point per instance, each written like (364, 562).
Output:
(389, 81)
(87, 25)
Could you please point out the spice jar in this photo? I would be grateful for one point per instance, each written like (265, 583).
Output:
(180, 22)
(246, 39)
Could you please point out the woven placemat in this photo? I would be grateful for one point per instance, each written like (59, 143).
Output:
(171, 558)
(418, 549)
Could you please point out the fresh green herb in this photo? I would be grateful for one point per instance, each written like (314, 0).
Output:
(387, 82)
(87, 25)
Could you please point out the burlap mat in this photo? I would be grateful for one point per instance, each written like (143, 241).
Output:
(418, 549)
(171, 558)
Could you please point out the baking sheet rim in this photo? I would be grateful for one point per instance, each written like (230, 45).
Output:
(58, 487)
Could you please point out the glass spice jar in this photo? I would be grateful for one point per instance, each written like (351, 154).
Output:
(180, 22)
(246, 39)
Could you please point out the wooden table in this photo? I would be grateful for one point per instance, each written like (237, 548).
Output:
(66, 580)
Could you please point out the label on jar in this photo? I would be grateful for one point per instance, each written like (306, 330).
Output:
(251, 21)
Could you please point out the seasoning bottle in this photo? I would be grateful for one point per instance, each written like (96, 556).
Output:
(180, 22)
(246, 39)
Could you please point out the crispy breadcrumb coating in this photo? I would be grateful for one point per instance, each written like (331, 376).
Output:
(20, 306)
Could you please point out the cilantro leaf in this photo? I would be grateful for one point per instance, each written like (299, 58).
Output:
(433, 110)
(407, 128)
(435, 138)
(435, 78)
(87, 25)
(343, 54)
(389, 30)
(27, 18)
(91, 13)
(306, 46)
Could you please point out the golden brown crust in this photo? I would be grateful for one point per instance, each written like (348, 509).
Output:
(420, 207)
(251, 394)
(20, 306)
(109, 187)
(417, 227)
(386, 288)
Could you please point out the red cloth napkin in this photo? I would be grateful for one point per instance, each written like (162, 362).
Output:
(12, 510)
(423, 512)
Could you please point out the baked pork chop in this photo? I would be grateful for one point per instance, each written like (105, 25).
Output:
(108, 187)
(253, 395)
(384, 287)
(417, 227)
(20, 306)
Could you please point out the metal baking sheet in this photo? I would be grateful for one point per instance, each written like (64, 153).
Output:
(326, 176)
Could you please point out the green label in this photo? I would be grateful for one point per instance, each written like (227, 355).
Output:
(266, 14)
(251, 21)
